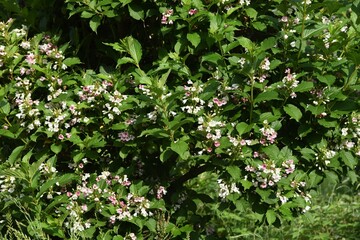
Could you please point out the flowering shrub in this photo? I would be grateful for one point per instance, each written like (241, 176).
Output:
(200, 104)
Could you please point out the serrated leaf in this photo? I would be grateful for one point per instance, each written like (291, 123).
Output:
(136, 11)
(7, 133)
(348, 159)
(327, 79)
(275, 63)
(304, 87)
(165, 155)
(310, 32)
(234, 172)
(71, 61)
(246, 43)
(56, 148)
(157, 132)
(268, 43)
(15, 154)
(151, 225)
(124, 60)
(293, 111)
(270, 216)
(163, 79)
(213, 58)
(252, 13)
(246, 184)
(95, 23)
(243, 128)
(314, 179)
(194, 38)
(133, 47)
(267, 96)
(62, 180)
(86, 14)
(259, 26)
(181, 148)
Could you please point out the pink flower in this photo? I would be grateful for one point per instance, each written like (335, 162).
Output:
(219, 102)
(160, 192)
(30, 59)
(84, 208)
(61, 137)
(164, 19)
(284, 19)
(217, 144)
(193, 11)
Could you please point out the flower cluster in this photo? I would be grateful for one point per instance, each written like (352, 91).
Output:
(268, 134)
(165, 19)
(226, 189)
(267, 174)
(193, 103)
(350, 135)
(289, 82)
(108, 195)
(7, 184)
(213, 129)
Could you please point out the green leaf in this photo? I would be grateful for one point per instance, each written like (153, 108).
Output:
(151, 225)
(327, 79)
(86, 14)
(348, 159)
(163, 79)
(272, 151)
(7, 133)
(353, 177)
(275, 63)
(314, 179)
(267, 96)
(157, 132)
(62, 180)
(165, 155)
(181, 148)
(56, 148)
(310, 32)
(293, 111)
(246, 43)
(268, 43)
(304, 87)
(5, 107)
(71, 61)
(194, 38)
(136, 11)
(15, 154)
(133, 47)
(252, 13)
(243, 128)
(246, 184)
(213, 58)
(95, 23)
(95, 141)
(259, 26)
(124, 60)
(270, 216)
(234, 171)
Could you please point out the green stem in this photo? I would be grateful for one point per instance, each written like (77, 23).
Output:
(252, 81)
(302, 30)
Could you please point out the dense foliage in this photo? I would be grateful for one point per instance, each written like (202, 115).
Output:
(132, 119)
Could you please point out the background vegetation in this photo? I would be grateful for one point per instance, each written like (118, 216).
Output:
(204, 119)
